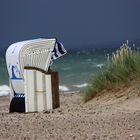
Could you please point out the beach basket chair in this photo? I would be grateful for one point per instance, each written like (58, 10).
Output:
(37, 53)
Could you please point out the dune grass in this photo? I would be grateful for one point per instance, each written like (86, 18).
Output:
(124, 66)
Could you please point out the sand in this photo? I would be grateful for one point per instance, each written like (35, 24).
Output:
(107, 117)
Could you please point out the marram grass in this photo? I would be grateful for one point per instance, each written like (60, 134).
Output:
(123, 67)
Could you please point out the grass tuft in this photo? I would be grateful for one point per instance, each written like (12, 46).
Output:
(123, 67)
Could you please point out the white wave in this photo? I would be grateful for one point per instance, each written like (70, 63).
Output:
(81, 85)
(4, 90)
(63, 88)
(66, 68)
(73, 91)
(100, 65)
(69, 75)
(78, 52)
(89, 60)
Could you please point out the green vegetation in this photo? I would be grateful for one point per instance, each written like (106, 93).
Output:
(123, 67)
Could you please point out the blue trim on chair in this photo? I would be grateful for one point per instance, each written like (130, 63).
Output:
(18, 95)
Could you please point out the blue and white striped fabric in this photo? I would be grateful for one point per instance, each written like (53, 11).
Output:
(58, 51)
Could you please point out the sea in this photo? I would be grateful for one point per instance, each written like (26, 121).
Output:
(75, 69)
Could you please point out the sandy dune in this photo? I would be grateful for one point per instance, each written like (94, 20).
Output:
(107, 117)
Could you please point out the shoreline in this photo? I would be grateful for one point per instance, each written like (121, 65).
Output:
(5, 90)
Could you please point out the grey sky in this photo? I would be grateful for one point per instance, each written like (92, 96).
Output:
(73, 22)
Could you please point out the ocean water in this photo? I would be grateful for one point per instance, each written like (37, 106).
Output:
(75, 68)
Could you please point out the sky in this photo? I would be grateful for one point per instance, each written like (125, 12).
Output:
(75, 23)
